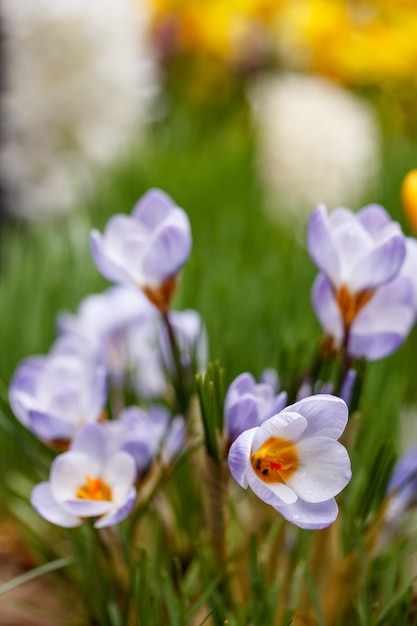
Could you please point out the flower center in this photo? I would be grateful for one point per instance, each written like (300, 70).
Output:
(162, 295)
(94, 489)
(350, 304)
(275, 461)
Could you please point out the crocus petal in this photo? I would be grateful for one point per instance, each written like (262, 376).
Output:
(243, 383)
(405, 472)
(90, 440)
(49, 427)
(379, 266)
(376, 346)
(382, 325)
(326, 309)
(117, 515)
(321, 245)
(87, 508)
(286, 425)
(44, 503)
(409, 266)
(239, 456)
(324, 469)
(310, 516)
(106, 265)
(152, 208)
(244, 414)
(275, 494)
(120, 473)
(351, 241)
(167, 252)
(373, 218)
(69, 472)
(326, 415)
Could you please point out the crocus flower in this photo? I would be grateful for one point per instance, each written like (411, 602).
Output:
(294, 462)
(104, 320)
(87, 482)
(402, 487)
(146, 249)
(145, 435)
(249, 404)
(379, 325)
(362, 297)
(56, 394)
(356, 252)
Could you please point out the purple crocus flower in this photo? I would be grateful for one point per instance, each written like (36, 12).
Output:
(146, 249)
(249, 404)
(54, 395)
(294, 462)
(362, 297)
(357, 252)
(378, 328)
(87, 482)
(104, 320)
(402, 488)
(145, 435)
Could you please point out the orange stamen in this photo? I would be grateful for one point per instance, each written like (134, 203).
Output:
(94, 489)
(162, 295)
(275, 461)
(350, 304)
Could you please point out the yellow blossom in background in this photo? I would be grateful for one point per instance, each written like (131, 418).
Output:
(214, 27)
(354, 42)
(370, 42)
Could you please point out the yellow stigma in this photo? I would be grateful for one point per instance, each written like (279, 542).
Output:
(95, 489)
(409, 198)
(350, 304)
(275, 461)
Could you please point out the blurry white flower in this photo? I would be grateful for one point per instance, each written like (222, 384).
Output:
(80, 80)
(316, 143)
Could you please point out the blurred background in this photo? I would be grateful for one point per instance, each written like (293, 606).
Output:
(247, 112)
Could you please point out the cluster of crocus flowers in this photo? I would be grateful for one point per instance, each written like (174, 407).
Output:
(364, 295)
(122, 343)
(293, 461)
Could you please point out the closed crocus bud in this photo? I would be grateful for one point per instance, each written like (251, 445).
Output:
(409, 198)
(249, 404)
(402, 488)
(146, 249)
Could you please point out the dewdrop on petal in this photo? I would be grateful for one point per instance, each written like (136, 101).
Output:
(409, 198)
(316, 142)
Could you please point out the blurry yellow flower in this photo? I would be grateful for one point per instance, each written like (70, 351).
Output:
(357, 43)
(409, 198)
(214, 27)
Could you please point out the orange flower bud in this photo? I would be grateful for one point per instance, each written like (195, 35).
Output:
(409, 198)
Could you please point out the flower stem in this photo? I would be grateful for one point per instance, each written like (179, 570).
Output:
(180, 383)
